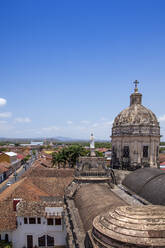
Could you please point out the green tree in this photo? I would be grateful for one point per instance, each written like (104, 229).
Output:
(107, 145)
(73, 153)
(57, 159)
(99, 154)
(17, 144)
(34, 152)
(162, 149)
(26, 159)
(3, 149)
(68, 155)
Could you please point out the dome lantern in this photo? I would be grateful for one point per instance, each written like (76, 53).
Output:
(136, 98)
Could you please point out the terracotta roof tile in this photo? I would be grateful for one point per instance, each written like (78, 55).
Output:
(7, 216)
(23, 189)
(161, 157)
(35, 209)
(53, 186)
(4, 166)
(38, 183)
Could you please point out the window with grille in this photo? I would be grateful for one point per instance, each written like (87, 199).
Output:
(49, 222)
(41, 241)
(32, 220)
(58, 221)
(50, 241)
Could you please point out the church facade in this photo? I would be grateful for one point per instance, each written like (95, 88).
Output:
(135, 136)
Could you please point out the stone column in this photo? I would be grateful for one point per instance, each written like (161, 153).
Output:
(152, 154)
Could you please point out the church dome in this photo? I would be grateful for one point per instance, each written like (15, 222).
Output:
(130, 226)
(136, 119)
(148, 183)
(136, 114)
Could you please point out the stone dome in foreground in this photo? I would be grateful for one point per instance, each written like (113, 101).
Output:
(130, 226)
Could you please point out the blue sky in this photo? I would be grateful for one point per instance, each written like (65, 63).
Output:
(67, 67)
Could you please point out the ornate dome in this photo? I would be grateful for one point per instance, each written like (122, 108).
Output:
(136, 114)
(130, 226)
(136, 119)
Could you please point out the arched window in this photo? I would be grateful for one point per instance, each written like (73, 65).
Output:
(50, 241)
(41, 241)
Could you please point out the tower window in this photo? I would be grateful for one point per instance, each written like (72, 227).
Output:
(126, 152)
(145, 151)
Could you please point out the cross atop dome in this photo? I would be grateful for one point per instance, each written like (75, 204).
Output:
(136, 97)
(136, 84)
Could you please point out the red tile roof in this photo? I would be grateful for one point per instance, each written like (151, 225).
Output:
(162, 157)
(4, 166)
(7, 216)
(37, 182)
(20, 156)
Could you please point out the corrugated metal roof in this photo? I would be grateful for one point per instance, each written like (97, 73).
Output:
(11, 154)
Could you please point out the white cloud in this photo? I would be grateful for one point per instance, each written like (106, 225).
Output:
(85, 122)
(95, 125)
(69, 122)
(2, 101)
(22, 120)
(5, 115)
(50, 129)
(2, 122)
(81, 128)
(103, 119)
(108, 123)
(161, 118)
(5, 127)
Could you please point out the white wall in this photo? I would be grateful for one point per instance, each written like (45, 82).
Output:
(19, 236)
(9, 235)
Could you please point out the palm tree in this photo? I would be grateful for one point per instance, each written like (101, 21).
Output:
(56, 159)
(74, 152)
(69, 154)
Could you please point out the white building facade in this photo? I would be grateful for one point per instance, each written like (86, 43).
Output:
(37, 226)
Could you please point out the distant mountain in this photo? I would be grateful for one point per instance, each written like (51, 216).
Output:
(60, 138)
(53, 139)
